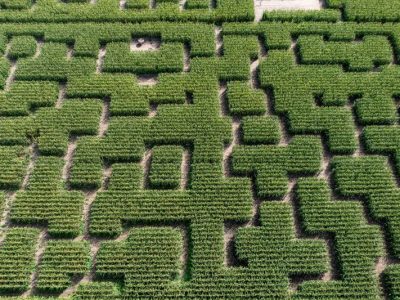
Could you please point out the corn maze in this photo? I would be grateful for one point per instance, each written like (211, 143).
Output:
(172, 149)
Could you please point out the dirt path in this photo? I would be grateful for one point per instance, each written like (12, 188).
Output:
(269, 5)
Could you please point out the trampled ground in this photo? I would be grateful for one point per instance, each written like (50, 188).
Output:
(173, 149)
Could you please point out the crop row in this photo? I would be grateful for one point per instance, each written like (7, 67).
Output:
(13, 163)
(149, 263)
(207, 193)
(272, 164)
(22, 46)
(87, 39)
(357, 56)
(52, 65)
(260, 130)
(169, 58)
(148, 260)
(356, 245)
(243, 100)
(17, 256)
(315, 93)
(165, 168)
(61, 260)
(134, 11)
(371, 178)
(194, 10)
(46, 202)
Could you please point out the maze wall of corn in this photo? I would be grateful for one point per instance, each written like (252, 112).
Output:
(197, 149)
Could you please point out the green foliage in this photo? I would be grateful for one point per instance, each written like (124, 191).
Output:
(61, 261)
(16, 130)
(333, 87)
(219, 236)
(45, 201)
(234, 10)
(374, 10)
(324, 15)
(27, 96)
(4, 70)
(383, 140)
(82, 10)
(260, 130)
(371, 178)
(86, 170)
(165, 169)
(169, 58)
(148, 261)
(243, 100)
(356, 244)
(22, 46)
(197, 4)
(272, 164)
(97, 290)
(237, 53)
(15, 4)
(53, 65)
(17, 254)
(76, 117)
(357, 56)
(127, 97)
(13, 163)
(391, 280)
(273, 248)
(137, 4)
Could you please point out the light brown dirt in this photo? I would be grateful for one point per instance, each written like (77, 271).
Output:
(5, 217)
(11, 75)
(184, 257)
(39, 46)
(270, 5)
(182, 4)
(145, 163)
(107, 172)
(223, 101)
(145, 44)
(100, 59)
(149, 79)
(325, 172)
(218, 40)
(185, 169)
(61, 95)
(229, 148)
(153, 110)
(122, 4)
(33, 155)
(123, 236)
(254, 69)
(41, 245)
(104, 118)
(229, 240)
(285, 136)
(90, 197)
(70, 52)
(68, 158)
(186, 57)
